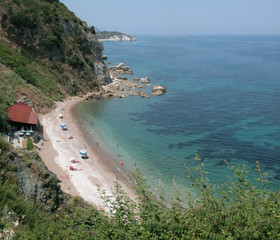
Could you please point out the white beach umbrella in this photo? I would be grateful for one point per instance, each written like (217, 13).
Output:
(83, 152)
(31, 131)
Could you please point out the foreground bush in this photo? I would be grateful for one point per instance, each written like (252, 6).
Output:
(236, 210)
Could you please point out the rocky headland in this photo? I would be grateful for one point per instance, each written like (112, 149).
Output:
(113, 36)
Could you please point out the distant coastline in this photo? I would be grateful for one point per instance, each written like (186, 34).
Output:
(113, 36)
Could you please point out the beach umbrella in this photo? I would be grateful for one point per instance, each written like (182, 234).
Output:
(31, 131)
(63, 125)
(83, 152)
(60, 115)
(22, 130)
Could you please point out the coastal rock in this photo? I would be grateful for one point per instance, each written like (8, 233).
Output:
(94, 96)
(102, 73)
(159, 87)
(145, 80)
(136, 79)
(157, 93)
(121, 68)
(104, 57)
(123, 78)
(143, 95)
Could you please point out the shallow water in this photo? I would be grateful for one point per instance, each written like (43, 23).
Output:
(222, 103)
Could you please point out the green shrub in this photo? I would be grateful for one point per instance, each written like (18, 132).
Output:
(50, 41)
(92, 30)
(3, 119)
(29, 144)
(57, 30)
(25, 74)
(11, 58)
(24, 19)
(76, 62)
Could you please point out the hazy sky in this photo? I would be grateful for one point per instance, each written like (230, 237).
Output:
(180, 16)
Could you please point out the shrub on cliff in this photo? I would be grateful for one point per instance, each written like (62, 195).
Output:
(51, 41)
(3, 118)
(76, 62)
(25, 19)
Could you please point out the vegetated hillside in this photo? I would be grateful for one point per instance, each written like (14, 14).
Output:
(47, 53)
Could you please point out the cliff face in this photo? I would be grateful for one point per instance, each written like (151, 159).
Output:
(48, 35)
(37, 184)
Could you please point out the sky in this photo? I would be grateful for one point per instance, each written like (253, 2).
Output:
(180, 16)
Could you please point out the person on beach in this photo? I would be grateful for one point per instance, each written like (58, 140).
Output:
(97, 143)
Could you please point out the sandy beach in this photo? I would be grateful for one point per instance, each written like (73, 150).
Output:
(59, 147)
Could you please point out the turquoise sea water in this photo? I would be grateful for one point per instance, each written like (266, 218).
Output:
(223, 102)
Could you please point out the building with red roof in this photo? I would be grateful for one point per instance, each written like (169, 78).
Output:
(22, 113)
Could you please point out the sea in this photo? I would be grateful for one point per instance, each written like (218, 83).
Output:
(222, 103)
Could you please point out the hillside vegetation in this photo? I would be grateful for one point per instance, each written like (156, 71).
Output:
(46, 53)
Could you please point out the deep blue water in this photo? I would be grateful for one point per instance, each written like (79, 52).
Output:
(223, 102)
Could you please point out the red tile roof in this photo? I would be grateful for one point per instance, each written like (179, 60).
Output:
(22, 113)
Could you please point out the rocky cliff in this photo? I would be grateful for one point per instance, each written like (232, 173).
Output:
(113, 36)
(37, 184)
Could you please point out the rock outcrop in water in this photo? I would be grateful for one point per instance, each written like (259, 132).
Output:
(121, 68)
(158, 90)
(121, 87)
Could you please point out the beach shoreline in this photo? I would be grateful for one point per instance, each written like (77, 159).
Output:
(100, 170)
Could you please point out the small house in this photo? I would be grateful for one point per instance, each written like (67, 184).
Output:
(23, 119)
